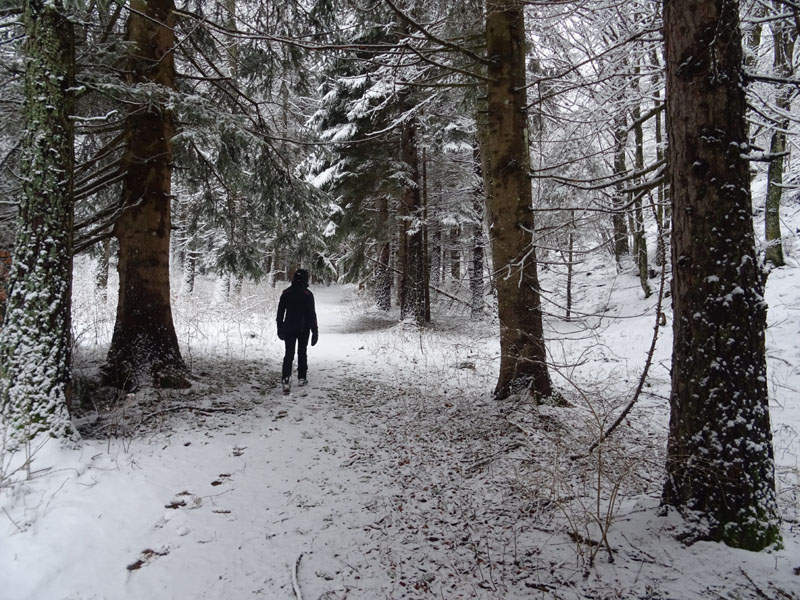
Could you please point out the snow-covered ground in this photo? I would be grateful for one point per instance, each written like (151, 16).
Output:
(394, 475)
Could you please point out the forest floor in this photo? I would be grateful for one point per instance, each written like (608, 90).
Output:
(393, 474)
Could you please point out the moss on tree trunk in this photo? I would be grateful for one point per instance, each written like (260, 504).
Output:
(35, 343)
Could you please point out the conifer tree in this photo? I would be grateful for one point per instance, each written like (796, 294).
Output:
(523, 361)
(720, 467)
(144, 346)
(35, 342)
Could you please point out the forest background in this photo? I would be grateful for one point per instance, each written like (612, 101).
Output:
(400, 148)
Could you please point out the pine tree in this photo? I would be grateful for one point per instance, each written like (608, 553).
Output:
(784, 35)
(35, 342)
(720, 468)
(144, 346)
(523, 361)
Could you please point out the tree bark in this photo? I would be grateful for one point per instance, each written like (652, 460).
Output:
(720, 467)
(621, 245)
(661, 196)
(783, 49)
(523, 361)
(414, 280)
(144, 345)
(101, 270)
(640, 244)
(35, 342)
(383, 272)
(454, 242)
(478, 216)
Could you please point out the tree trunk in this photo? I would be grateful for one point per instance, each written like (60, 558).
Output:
(35, 342)
(661, 199)
(783, 49)
(523, 361)
(144, 344)
(478, 216)
(621, 246)
(436, 251)
(570, 264)
(426, 257)
(383, 272)
(720, 467)
(642, 261)
(101, 270)
(454, 242)
(413, 233)
(5, 273)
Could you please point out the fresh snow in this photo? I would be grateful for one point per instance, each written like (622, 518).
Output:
(393, 474)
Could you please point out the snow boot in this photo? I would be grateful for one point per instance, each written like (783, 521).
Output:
(301, 381)
(287, 385)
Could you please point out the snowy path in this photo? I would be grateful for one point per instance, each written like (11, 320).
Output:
(395, 478)
(222, 508)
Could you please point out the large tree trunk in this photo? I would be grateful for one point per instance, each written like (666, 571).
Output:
(783, 49)
(523, 361)
(720, 466)
(144, 344)
(35, 343)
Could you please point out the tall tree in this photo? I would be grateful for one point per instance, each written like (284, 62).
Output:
(783, 42)
(414, 281)
(144, 344)
(523, 361)
(35, 342)
(720, 465)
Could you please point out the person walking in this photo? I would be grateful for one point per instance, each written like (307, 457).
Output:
(297, 319)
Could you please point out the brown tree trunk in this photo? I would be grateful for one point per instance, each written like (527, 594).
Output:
(144, 344)
(523, 361)
(720, 466)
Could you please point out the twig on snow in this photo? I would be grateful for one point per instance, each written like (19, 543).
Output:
(758, 590)
(487, 459)
(295, 584)
(12, 520)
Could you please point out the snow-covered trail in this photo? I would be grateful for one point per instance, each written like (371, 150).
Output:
(396, 477)
(212, 509)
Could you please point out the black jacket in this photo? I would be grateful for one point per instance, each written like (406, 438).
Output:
(296, 312)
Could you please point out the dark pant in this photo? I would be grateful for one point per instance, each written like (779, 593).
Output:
(301, 342)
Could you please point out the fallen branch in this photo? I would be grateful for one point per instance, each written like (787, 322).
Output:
(757, 589)
(487, 459)
(295, 584)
